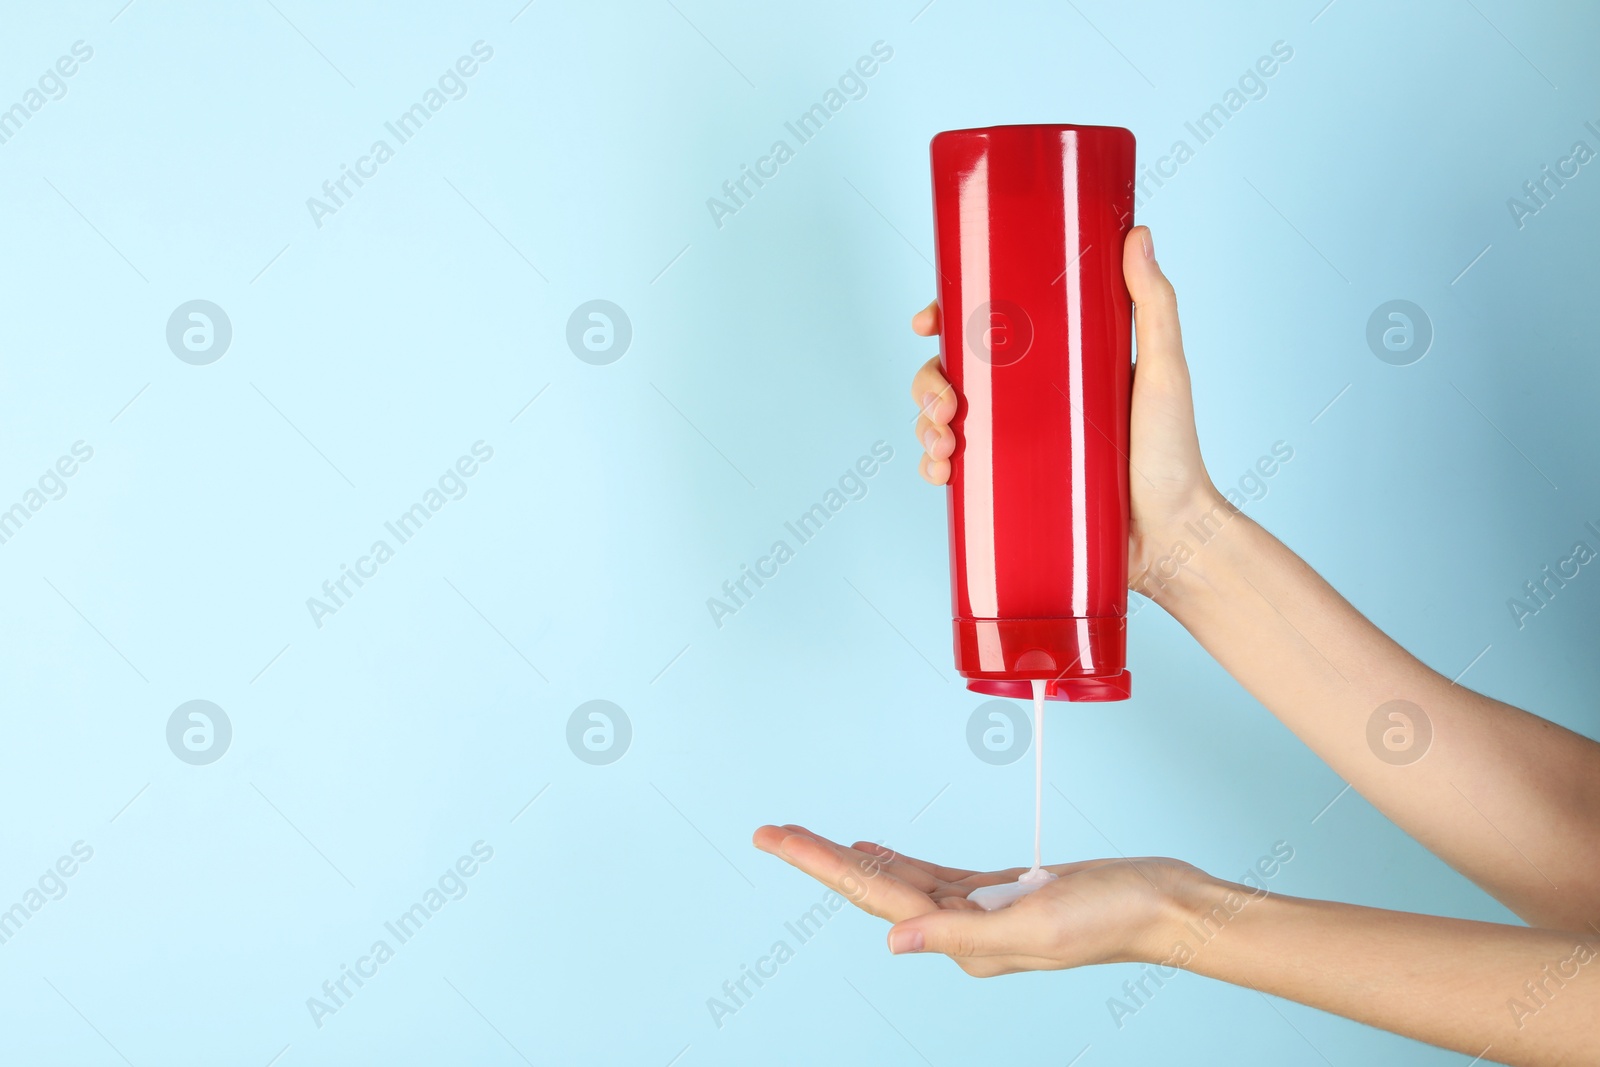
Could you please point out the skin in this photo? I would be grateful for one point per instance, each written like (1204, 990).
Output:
(1510, 800)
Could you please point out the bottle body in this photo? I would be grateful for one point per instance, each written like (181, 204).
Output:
(1036, 337)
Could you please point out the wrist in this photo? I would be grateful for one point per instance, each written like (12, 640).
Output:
(1184, 894)
(1167, 942)
(1198, 910)
(1173, 552)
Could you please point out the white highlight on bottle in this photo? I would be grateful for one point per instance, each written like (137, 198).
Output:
(993, 897)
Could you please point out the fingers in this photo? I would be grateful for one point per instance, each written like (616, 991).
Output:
(923, 877)
(934, 471)
(948, 886)
(767, 838)
(849, 853)
(937, 399)
(938, 441)
(948, 874)
(933, 393)
(859, 878)
(793, 828)
(1155, 305)
(964, 933)
(925, 323)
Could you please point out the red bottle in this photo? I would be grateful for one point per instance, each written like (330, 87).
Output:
(1036, 338)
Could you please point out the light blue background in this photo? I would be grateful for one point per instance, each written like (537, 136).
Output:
(767, 356)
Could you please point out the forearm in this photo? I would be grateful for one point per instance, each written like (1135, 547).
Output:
(1512, 994)
(1509, 799)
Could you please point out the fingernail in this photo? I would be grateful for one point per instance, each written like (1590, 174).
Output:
(1149, 250)
(905, 941)
(928, 400)
(929, 439)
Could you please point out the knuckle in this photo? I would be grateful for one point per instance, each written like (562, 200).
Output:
(961, 944)
(1165, 296)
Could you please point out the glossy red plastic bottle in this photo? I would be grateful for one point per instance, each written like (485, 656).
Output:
(1036, 338)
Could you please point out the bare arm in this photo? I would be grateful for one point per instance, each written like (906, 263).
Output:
(1509, 994)
(1510, 800)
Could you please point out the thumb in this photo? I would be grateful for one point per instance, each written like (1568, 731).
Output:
(1155, 306)
(961, 933)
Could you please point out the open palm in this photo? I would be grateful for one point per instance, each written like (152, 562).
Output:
(1096, 911)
